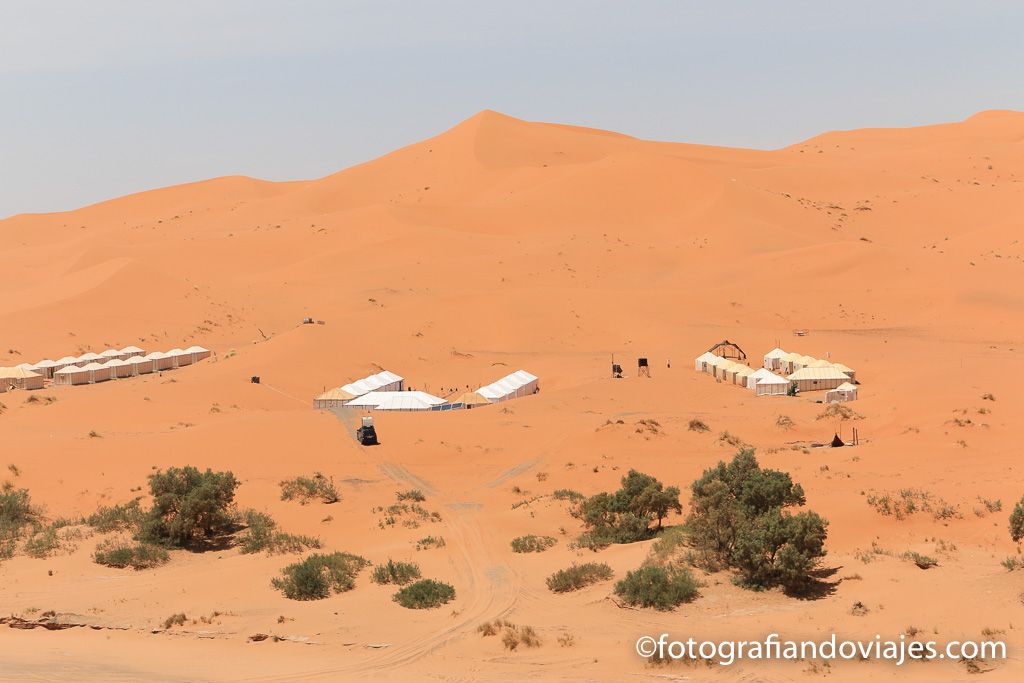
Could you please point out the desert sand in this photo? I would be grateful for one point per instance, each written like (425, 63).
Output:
(503, 244)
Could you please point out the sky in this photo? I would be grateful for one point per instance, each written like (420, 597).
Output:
(100, 99)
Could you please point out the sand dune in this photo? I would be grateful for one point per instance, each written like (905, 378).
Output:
(502, 244)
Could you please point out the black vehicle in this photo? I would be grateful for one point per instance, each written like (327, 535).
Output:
(366, 435)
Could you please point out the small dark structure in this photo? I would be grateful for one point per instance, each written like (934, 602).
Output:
(727, 349)
(366, 435)
(616, 371)
(643, 369)
(307, 321)
(837, 442)
(255, 379)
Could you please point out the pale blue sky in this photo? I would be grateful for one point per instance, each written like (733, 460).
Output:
(103, 98)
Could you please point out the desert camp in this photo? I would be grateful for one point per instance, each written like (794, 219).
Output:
(92, 368)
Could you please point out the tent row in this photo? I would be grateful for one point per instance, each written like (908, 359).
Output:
(384, 391)
(723, 369)
(19, 377)
(47, 367)
(780, 361)
(816, 376)
(117, 368)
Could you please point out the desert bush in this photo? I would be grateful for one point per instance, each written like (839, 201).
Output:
(120, 553)
(175, 620)
(43, 543)
(1017, 521)
(398, 573)
(261, 534)
(315, 577)
(17, 516)
(839, 411)
(412, 494)
(532, 544)
(578, 576)
(567, 494)
(737, 519)
(922, 561)
(627, 515)
(428, 542)
(696, 425)
(425, 594)
(784, 422)
(120, 517)
(660, 587)
(189, 506)
(305, 489)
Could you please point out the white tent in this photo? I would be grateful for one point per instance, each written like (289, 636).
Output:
(131, 351)
(382, 381)
(140, 365)
(376, 399)
(178, 357)
(773, 359)
(758, 375)
(701, 362)
(161, 361)
(772, 385)
(844, 392)
(97, 372)
(65, 362)
(119, 368)
(110, 353)
(519, 383)
(846, 370)
(71, 374)
(817, 379)
(45, 367)
(197, 353)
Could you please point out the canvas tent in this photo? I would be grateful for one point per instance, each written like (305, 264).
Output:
(740, 377)
(757, 375)
(772, 385)
(65, 362)
(844, 392)
(141, 365)
(118, 368)
(197, 353)
(519, 383)
(109, 354)
(787, 362)
(178, 357)
(773, 358)
(89, 357)
(72, 374)
(20, 378)
(97, 372)
(382, 381)
(376, 399)
(161, 361)
(332, 398)
(131, 351)
(45, 367)
(817, 379)
(701, 362)
(848, 371)
(471, 399)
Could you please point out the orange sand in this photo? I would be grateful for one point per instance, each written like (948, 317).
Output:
(498, 245)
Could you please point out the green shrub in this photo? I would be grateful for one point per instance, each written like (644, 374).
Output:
(178, 619)
(262, 534)
(696, 425)
(305, 489)
(1017, 521)
(578, 576)
(189, 506)
(736, 520)
(660, 587)
(428, 542)
(532, 544)
(425, 594)
(411, 494)
(43, 543)
(17, 515)
(567, 494)
(626, 515)
(120, 553)
(398, 573)
(120, 517)
(315, 577)
(922, 561)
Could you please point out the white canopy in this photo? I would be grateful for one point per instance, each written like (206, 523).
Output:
(114, 362)
(775, 353)
(90, 356)
(846, 386)
(377, 399)
(46, 363)
(155, 355)
(196, 349)
(773, 379)
(132, 349)
(110, 353)
(818, 373)
(69, 370)
(508, 386)
(706, 357)
(372, 383)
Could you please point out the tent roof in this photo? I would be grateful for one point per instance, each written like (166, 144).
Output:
(846, 386)
(807, 360)
(70, 370)
(818, 373)
(820, 364)
(374, 399)
(176, 352)
(89, 355)
(772, 378)
(110, 353)
(155, 355)
(706, 357)
(67, 359)
(371, 383)
(46, 363)
(131, 349)
(745, 372)
(408, 400)
(114, 362)
(471, 398)
(337, 394)
(775, 353)
(507, 385)
(196, 349)
(842, 368)
(17, 373)
(761, 373)
(93, 366)
(138, 360)
(792, 356)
